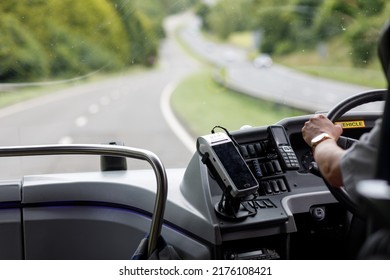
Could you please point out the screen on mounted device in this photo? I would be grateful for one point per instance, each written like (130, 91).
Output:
(235, 165)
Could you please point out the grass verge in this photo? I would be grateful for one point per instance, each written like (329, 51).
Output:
(201, 104)
(16, 95)
(20, 92)
(335, 63)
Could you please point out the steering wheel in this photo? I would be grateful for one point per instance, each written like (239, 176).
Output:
(333, 115)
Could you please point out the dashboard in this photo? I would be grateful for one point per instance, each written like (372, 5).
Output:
(259, 150)
(291, 204)
(292, 215)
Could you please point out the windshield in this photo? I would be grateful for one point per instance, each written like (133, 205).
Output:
(156, 74)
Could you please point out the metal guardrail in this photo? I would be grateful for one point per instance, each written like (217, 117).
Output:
(108, 150)
(5, 87)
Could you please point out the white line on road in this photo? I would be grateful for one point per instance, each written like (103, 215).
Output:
(93, 109)
(81, 121)
(115, 95)
(105, 100)
(66, 140)
(172, 121)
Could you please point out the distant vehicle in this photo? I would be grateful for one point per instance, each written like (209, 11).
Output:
(263, 61)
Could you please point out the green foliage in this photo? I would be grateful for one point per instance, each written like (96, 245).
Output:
(143, 34)
(21, 56)
(276, 33)
(202, 10)
(40, 38)
(229, 16)
(363, 40)
(293, 25)
(145, 44)
(75, 55)
(328, 22)
(174, 6)
(372, 7)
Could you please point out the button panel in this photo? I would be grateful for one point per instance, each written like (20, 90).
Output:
(289, 157)
(264, 162)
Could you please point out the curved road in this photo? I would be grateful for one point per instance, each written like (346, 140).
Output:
(277, 83)
(134, 107)
(130, 108)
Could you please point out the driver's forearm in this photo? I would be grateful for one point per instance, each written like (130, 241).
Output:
(328, 157)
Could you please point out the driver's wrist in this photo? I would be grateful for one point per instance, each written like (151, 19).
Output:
(319, 139)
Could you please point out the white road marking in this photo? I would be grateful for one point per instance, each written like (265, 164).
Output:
(66, 140)
(187, 139)
(105, 100)
(93, 108)
(81, 121)
(115, 95)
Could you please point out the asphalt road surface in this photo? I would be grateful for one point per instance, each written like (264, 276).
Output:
(131, 108)
(276, 83)
(134, 107)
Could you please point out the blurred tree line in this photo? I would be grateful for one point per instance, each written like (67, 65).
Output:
(42, 39)
(286, 26)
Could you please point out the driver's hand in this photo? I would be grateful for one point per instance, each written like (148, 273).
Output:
(319, 124)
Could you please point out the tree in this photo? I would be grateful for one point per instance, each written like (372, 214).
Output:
(229, 16)
(73, 37)
(22, 57)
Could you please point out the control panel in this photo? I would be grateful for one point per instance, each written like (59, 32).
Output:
(269, 159)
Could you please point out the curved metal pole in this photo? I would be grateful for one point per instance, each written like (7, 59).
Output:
(108, 150)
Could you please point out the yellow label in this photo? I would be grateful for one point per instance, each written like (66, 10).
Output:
(352, 124)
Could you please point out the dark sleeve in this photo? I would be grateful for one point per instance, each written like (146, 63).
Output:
(359, 162)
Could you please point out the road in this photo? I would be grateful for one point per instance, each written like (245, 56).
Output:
(277, 83)
(131, 108)
(134, 107)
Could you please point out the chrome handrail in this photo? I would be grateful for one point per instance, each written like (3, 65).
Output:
(108, 150)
